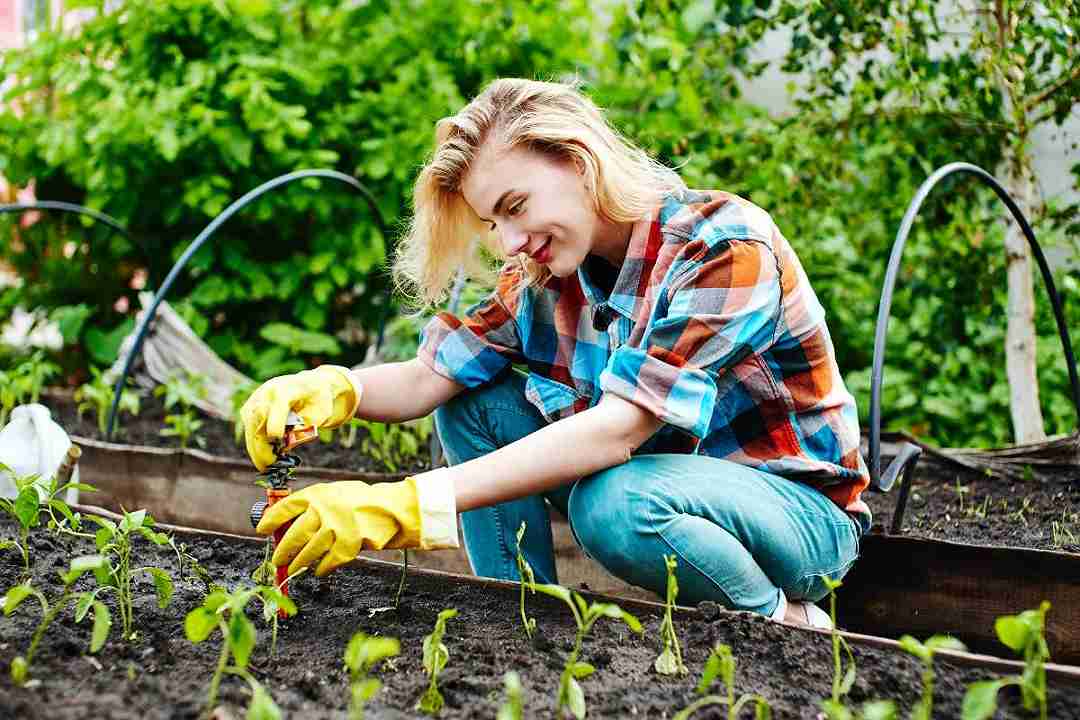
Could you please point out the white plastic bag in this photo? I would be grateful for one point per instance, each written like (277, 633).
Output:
(32, 443)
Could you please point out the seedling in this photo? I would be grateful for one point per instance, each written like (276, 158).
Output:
(347, 437)
(114, 542)
(843, 679)
(33, 496)
(721, 663)
(183, 426)
(394, 444)
(183, 388)
(514, 707)
(923, 709)
(670, 661)
(97, 395)
(1023, 633)
(20, 666)
(361, 655)
(435, 657)
(24, 382)
(571, 695)
(224, 612)
(525, 574)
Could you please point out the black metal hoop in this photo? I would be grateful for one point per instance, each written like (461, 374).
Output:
(66, 207)
(205, 235)
(890, 283)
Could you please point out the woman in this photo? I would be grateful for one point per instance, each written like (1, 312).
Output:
(681, 395)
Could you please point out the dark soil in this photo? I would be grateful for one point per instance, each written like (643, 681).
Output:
(162, 675)
(218, 436)
(947, 503)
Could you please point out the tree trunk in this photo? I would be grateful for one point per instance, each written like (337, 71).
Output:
(1020, 339)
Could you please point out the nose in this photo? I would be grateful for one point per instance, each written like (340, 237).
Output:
(513, 240)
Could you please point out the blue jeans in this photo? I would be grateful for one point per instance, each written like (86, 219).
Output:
(741, 536)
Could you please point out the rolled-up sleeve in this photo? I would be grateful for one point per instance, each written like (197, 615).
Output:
(715, 312)
(474, 349)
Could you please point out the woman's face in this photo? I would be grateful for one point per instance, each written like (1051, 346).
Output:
(537, 206)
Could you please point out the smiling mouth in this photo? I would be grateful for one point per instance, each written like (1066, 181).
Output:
(541, 253)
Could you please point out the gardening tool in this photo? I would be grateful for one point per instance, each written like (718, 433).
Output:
(276, 477)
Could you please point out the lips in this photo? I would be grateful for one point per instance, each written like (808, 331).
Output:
(543, 253)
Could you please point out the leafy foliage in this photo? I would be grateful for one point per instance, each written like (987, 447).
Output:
(24, 382)
(193, 103)
(670, 661)
(721, 663)
(97, 395)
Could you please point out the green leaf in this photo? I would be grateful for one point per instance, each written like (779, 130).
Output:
(711, 671)
(848, 680)
(26, 507)
(15, 596)
(262, 706)
(155, 537)
(82, 607)
(132, 520)
(879, 710)
(980, 700)
(297, 340)
(102, 538)
(575, 698)
(82, 564)
(665, 663)
(241, 638)
(916, 648)
(102, 624)
(1012, 631)
(20, 670)
(581, 670)
(836, 710)
(199, 623)
(163, 586)
(366, 689)
(105, 346)
(944, 642)
(556, 591)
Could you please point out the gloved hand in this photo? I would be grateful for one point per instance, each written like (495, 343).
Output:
(335, 521)
(324, 397)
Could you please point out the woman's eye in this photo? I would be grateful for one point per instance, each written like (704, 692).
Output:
(515, 209)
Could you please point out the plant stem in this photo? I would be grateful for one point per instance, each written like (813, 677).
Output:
(401, 583)
(46, 619)
(223, 658)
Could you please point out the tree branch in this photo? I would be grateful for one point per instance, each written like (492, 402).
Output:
(1054, 88)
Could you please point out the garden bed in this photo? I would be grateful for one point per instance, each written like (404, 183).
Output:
(953, 503)
(162, 675)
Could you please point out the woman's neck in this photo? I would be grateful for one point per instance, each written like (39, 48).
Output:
(612, 240)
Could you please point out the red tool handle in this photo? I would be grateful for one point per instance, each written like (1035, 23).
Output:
(272, 496)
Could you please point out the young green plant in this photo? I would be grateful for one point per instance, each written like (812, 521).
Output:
(394, 444)
(34, 496)
(225, 612)
(24, 382)
(721, 664)
(238, 398)
(1025, 634)
(514, 707)
(20, 665)
(184, 389)
(361, 655)
(571, 696)
(843, 680)
(923, 709)
(97, 395)
(115, 542)
(670, 661)
(525, 574)
(435, 657)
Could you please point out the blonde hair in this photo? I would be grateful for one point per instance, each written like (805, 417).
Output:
(555, 119)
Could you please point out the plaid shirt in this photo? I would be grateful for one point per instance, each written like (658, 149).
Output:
(714, 329)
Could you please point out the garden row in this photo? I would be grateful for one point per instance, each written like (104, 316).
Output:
(582, 653)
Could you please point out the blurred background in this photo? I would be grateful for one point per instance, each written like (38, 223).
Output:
(827, 114)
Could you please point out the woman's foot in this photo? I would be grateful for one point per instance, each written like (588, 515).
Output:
(800, 612)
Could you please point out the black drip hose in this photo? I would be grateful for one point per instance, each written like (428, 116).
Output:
(890, 282)
(206, 234)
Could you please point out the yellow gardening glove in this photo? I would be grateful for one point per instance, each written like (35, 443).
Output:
(333, 522)
(324, 397)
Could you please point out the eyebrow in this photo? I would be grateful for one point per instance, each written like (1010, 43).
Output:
(498, 204)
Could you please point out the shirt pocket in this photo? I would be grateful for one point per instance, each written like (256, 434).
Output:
(553, 399)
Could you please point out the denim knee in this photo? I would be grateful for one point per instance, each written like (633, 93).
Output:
(603, 523)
